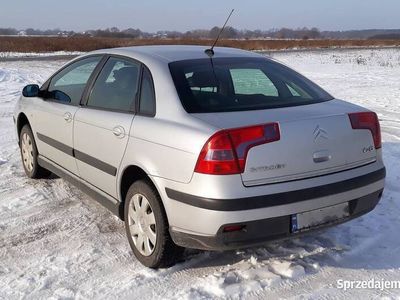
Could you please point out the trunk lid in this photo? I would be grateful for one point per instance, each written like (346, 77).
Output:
(315, 140)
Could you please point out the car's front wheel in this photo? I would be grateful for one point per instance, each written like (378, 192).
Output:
(29, 154)
(147, 227)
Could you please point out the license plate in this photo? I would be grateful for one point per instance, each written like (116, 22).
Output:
(309, 219)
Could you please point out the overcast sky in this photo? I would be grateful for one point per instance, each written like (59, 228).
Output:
(182, 15)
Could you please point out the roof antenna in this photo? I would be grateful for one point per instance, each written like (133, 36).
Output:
(210, 51)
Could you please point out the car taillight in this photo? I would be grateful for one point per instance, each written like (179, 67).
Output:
(226, 151)
(367, 120)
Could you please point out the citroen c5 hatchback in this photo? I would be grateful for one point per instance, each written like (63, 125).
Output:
(201, 151)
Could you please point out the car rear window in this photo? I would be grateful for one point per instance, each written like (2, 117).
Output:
(236, 84)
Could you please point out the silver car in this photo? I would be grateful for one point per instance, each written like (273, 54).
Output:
(201, 151)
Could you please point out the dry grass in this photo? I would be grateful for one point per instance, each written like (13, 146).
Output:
(49, 44)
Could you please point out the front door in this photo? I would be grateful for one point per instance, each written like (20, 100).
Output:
(54, 115)
(101, 128)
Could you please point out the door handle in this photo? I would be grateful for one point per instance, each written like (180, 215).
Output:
(68, 117)
(119, 131)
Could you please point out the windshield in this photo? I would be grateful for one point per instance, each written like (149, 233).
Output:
(236, 84)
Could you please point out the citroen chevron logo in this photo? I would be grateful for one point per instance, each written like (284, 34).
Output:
(320, 133)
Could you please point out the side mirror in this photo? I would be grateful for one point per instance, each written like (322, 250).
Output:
(31, 90)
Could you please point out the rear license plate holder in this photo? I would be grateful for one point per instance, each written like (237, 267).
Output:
(314, 218)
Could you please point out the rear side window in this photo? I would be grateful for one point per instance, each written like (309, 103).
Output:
(116, 86)
(68, 85)
(147, 102)
(238, 84)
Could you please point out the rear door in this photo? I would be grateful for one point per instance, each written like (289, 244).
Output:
(102, 126)
(54, 117)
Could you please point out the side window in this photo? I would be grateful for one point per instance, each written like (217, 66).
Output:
(116, 85)
(68, 85)
(147, 104)
(252, 81)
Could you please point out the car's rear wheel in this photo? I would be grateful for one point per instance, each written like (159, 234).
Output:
(29, 155)
(147, 227)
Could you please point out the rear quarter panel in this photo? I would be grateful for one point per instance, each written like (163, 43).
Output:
(165, 150)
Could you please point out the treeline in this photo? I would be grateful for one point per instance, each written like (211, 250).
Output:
(33, 32)
(389, 36)
(232, 33)
(229, 33)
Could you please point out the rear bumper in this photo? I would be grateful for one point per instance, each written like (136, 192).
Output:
(259, 231)
(210, 201)
(277, 199)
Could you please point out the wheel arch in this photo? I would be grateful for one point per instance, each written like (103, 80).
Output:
(129, 175)
(22, 120)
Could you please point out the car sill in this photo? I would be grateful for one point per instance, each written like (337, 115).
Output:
(104, 199)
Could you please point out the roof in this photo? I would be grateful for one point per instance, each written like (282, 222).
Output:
(170, 53)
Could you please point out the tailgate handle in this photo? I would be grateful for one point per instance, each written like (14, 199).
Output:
(321, 156)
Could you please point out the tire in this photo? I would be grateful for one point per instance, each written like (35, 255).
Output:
(29, 155)
(145, 216)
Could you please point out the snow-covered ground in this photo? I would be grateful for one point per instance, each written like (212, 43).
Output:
(56, 242)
